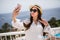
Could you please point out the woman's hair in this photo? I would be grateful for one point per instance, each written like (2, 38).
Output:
(27, 26)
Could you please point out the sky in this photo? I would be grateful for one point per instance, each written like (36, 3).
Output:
(7, 6)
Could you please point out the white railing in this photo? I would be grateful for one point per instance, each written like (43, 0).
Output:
(14, 35)
(56, 30)
(11, 35)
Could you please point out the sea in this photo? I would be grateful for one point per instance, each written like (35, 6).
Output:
(46, 14)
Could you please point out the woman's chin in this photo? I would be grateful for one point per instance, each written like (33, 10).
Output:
(33, 16)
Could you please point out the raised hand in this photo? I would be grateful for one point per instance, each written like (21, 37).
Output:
(44, 22)
(16, 12)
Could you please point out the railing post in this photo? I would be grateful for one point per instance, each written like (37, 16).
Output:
(6, 37)
(10, 37)
(0, 38)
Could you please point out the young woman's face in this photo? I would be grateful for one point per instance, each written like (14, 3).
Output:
(34, 12)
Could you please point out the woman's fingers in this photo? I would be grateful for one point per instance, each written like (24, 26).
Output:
(44, 22)
(17, 9)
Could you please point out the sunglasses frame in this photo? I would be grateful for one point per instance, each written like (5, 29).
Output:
(34, 10)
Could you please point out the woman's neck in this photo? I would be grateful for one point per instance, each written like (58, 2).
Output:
(35, 20)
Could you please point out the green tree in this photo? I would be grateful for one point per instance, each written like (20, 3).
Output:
(6, 27)
(53, 22)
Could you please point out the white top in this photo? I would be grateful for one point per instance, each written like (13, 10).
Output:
(35, 32)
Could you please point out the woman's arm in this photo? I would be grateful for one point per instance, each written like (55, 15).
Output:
(48, 29)
(16, 12)
(16, 23)
(49, 37)
(50, 32)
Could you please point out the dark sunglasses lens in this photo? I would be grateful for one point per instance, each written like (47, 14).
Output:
(34, 10)
(30, 10)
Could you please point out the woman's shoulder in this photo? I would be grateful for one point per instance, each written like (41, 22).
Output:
(44, 22)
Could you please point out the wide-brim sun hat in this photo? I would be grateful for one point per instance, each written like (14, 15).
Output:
(36, 6)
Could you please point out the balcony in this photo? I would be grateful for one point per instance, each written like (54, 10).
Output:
(15, 35)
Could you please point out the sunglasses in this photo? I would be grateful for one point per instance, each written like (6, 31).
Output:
(34, 10)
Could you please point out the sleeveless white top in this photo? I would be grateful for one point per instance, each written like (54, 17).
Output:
(35, 32)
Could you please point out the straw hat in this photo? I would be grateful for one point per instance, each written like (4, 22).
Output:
(36, 6)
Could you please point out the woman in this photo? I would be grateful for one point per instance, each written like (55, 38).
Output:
(35, 26)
